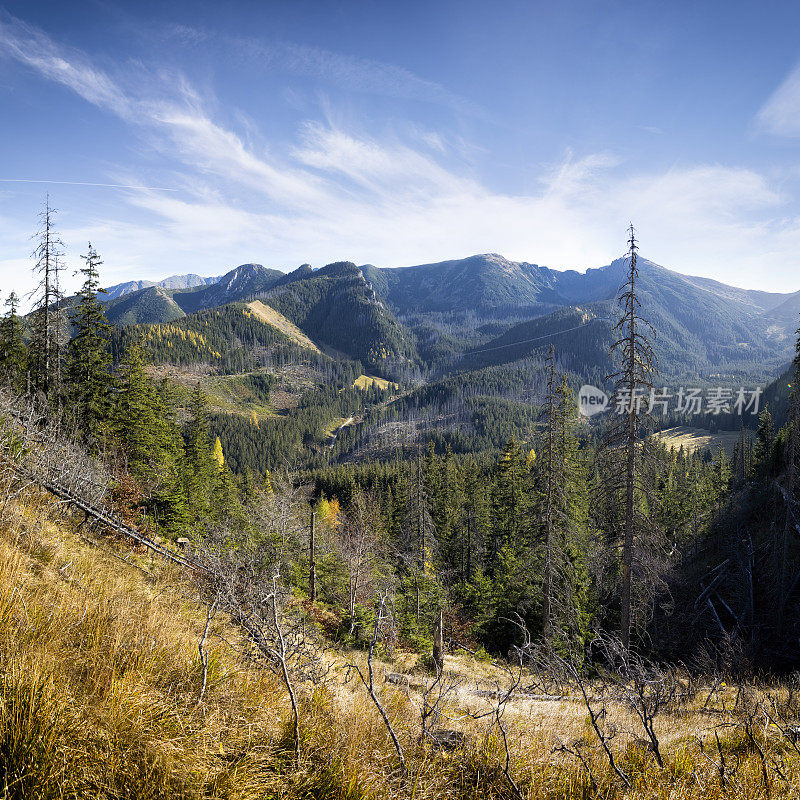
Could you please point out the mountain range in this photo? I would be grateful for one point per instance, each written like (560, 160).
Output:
(173, 282)
(446, 312)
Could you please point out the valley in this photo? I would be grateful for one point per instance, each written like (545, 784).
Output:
(465, 339)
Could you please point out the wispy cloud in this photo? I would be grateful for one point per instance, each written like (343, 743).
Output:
(393, 200)
(70, 68)
(350, 72)
(780, 115)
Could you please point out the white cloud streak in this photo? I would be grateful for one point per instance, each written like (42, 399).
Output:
(780, 115)
(334, 194)
(350, 72)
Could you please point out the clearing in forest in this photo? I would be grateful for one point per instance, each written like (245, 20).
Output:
(272, 317)
(698, 439)
(365, 382)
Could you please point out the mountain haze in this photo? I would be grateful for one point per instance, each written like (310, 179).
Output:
(173, 282)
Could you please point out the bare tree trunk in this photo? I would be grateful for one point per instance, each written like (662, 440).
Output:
(370, 685)
(286, 678)
(787, 527)
(627, 545)
(312, 559)
(201, 647)
(636, 371)
(48, 325)
(547, 588)
(438, 643)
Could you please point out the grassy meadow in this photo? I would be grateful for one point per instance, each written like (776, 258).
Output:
(100, 678)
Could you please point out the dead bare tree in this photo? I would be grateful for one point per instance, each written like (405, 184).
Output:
(433, 700)
(725, 772)
(644, 687)
(498, 714)
(47, 317)
(383, 629)
(438, 643)
(361, 545)
(211, 612)
(624, 479)
(241, 573)
(39, 446)
(603, 727)
(543, 658)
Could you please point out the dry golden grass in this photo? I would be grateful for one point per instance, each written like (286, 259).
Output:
(272, 317)
(365, 382)
(692, 439)
(99, 679)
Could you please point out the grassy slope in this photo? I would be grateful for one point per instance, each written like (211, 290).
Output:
(99, 680)
(272, 317)
(692, 439)
(368, 381)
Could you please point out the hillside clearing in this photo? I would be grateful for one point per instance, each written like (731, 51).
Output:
(103, 655)
(272, 317)
(692, 439)
(365, 382)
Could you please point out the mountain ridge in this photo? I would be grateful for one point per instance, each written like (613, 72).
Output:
(390, 315)
(187, 281)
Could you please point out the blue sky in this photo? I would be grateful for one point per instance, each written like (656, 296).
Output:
(403, 133)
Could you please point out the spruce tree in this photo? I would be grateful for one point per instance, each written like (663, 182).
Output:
(144, 424)
(13, 354)
(200, 474)
(562, 512)
(88, 356)
(510, 491)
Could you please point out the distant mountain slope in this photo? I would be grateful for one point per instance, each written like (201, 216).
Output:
(336, 306)
(181, 297)
(172, 282)
(231, 338)
(479, 282)
(580, 336)
(705, 328)
(150, 305)
(701, 328)
(272, 317)
(241, 283)
(785, 316)
(333, 305)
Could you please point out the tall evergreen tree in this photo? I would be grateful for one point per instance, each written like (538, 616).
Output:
(562, 510)
(510, 494)
(144, 424)
(88, 355)
(418, 526)
(200, 472)
(550, 465)
(12, 349)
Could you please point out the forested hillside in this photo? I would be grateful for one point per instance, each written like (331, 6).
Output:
(415, 320)
(231, 338)
(468, 509)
